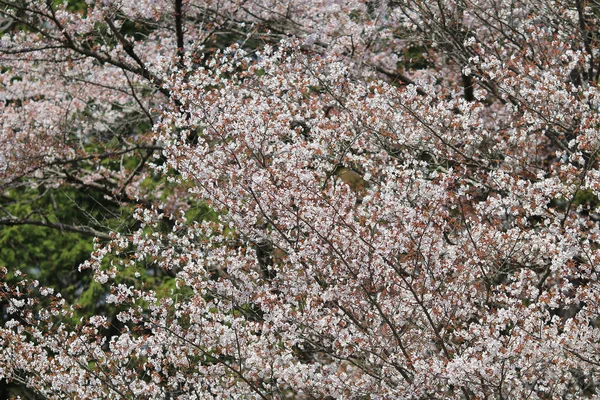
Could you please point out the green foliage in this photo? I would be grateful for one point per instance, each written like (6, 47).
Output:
(201, 212)
(583, 198)
(90, 298)
(414, 58)
(136, 29)
(50, 255)
(75, 5)
(586, 198)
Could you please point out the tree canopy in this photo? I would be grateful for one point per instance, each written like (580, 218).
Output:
(299, 199)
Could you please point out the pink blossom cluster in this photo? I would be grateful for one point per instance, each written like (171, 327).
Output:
(384, 230)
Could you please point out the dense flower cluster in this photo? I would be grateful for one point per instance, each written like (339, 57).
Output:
(407, 196)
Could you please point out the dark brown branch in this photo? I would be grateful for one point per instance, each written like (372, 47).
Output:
(468, 87)
(137, 100)
(397, 76)
(586, 37)
(136, 171)
(179, 32)
(128, 47)
(85, 230)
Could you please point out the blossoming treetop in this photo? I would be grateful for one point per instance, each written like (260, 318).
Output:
(407, 196)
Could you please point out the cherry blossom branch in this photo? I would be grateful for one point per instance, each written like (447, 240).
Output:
(237, 372)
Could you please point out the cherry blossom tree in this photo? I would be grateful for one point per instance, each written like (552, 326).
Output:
(407, 197)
